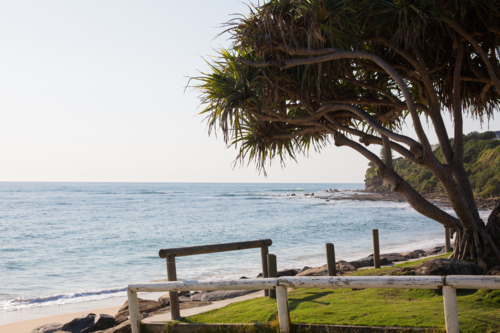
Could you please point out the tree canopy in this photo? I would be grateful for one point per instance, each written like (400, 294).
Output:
(302, 73)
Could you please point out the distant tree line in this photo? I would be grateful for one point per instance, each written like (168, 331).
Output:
(481, 162)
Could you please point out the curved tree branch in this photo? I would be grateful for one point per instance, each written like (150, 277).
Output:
(435, 113)
(478, 49)
(415, 199)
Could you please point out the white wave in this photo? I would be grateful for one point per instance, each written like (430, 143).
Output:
(60, 299)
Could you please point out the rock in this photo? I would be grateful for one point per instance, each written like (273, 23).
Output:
(47, 328)
(223, 294)
(145, 305)
(393, 257)
(414, 254)
(122, 328)
(288, 272)
(443, 266)
(345, 266)
(488, 262)
(164, 300)
(315, 271)
(494, 270)
(303, 269)
(196, 297)
(79, 324)
(102, 322)
(292, 195)
(183, 299)
(285, 272)
(435, 250)
(368, 261)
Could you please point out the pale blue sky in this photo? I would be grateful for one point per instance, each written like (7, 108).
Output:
(94, 91)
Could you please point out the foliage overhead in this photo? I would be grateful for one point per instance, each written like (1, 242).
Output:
(238, 96)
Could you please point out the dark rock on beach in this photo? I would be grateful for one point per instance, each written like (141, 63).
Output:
(79, 324)
(393, 257)
(414, 254)
(164, 300)
(435, 250)
(368, 261)
(47, 328)
(288, 272)
(183, 299)
(345, 266)
(102, 322)
(122, 328)
(285, 272)
(303, 269)
(145, 306)
(443, 266)
(196, 297)
(314, 271)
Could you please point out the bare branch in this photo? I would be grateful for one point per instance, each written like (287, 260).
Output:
(415, 199)
(478, 49)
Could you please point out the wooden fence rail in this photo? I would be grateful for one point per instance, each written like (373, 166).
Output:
(449, 284)
(170, 254)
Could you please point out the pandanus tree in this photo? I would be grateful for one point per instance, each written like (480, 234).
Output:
(302, 73)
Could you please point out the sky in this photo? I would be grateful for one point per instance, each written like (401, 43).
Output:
(94, 91)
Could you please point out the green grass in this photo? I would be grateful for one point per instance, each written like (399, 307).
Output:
(479, 311)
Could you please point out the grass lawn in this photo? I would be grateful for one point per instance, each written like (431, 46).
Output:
(479, 311)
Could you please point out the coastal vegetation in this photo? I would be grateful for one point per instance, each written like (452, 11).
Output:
(481, 162)
(478, 310)
(302, 73)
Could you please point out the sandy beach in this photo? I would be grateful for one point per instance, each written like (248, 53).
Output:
(66, 313)
(28, 325)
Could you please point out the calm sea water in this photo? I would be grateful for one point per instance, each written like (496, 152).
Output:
(65, 243)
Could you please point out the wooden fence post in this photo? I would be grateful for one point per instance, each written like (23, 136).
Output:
(283, 311)
(447, 246)
(264, 251)
(376, 249)
(175, 312)
(450, 309)
(330, 259)
(273, 271)
(133, 308)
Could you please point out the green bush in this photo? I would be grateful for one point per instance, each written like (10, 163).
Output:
(481, 162)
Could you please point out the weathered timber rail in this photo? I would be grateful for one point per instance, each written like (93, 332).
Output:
(170, 254)
(449, 284)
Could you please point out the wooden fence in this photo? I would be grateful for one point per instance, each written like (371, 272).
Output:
(170, 254)
(448, 283)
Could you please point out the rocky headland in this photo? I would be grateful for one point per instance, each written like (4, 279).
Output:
(379, 195)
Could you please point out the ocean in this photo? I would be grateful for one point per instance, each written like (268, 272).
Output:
(66, 243)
